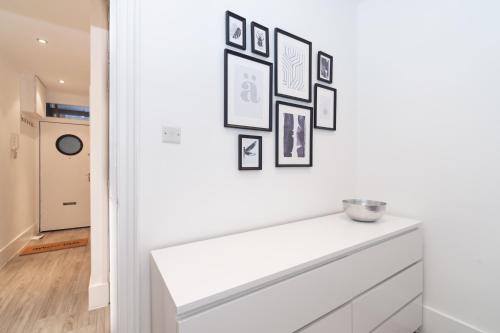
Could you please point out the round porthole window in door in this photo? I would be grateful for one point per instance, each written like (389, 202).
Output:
(69, 144)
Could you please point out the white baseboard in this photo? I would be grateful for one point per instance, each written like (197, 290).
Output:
(10, 250)
(438, 322)
(98, 295)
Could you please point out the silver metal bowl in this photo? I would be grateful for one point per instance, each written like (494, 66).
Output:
(364, 210)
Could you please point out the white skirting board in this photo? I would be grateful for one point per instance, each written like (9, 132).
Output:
(98, 295)
(438, 322)
(10, 250)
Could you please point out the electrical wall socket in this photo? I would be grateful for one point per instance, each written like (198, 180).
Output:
(170, 134)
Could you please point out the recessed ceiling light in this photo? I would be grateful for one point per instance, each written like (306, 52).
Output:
(61, 81)
(42, 41)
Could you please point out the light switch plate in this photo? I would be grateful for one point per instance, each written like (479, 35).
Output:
(171, 134)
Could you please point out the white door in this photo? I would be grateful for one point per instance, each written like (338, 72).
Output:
(64, 176)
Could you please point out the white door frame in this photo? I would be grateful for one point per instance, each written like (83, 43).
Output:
(123, 117)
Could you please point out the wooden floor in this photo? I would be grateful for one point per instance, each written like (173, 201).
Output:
(48, 292)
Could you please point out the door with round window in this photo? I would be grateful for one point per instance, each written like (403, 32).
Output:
(64, 176)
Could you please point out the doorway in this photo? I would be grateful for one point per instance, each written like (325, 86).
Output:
(64, 176)
(54, 243)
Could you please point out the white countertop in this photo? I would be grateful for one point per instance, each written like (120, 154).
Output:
(204, 272)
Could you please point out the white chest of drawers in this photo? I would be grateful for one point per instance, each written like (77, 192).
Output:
(323, 275)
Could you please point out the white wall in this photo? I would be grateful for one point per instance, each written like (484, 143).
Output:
(17, 192)
(67, 98)
(99, 277)
(194, 190)
(429, 138)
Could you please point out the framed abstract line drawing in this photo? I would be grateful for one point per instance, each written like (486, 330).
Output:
(236, 30)
(248, 86)
(325, 107)
(292, 60)
(249, 152)
(325, 67)
(260, 39)
(294, 135)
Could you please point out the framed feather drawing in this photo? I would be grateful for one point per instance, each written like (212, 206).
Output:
(236, 30)
(249, 152)
(292, 71)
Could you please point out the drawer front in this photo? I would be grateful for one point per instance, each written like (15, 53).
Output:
(377, 263)
(338, 321)
(374, 307)
(281, 308)
(408, 320)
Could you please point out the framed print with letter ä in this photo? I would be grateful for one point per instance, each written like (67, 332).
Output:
(325, 107)
(292, 58)
(247, 92)
(293, 135)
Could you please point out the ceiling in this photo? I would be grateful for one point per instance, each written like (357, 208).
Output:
(66, 26)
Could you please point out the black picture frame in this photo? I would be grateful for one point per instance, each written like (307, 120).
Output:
(329, 57)
(228, 53)
(253, 26)
(277, 152)
(240, 150)
(334, 91)
(230, 15)
(277, 92)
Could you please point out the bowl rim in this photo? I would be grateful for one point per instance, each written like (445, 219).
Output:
(364, 202)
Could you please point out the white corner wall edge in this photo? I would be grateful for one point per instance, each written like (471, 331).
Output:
(10, 250)
(98, 295)
(438, 322)
(98, 92)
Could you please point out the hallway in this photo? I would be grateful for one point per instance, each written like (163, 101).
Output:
(48, 292)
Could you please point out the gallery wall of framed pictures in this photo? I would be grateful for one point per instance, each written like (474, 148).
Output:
(249, 81)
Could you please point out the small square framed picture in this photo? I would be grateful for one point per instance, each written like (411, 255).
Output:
(294, 135)
(236, 30)
(260, 39)
(325, 67)
(249, 152)
(325, 107)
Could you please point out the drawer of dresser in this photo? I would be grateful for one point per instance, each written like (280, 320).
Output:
(339, 321)
(378, 304)
(283, 307)
(375, 264)
(407, 320)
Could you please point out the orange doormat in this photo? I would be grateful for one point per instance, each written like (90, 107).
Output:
(39, 248)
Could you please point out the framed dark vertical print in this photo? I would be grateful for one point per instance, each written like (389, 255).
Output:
(292, 61)
(247, 92)
(236, 30)
(260, 39)
(294, 135)
(325, 67)
(325, 107)
(249, 152)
